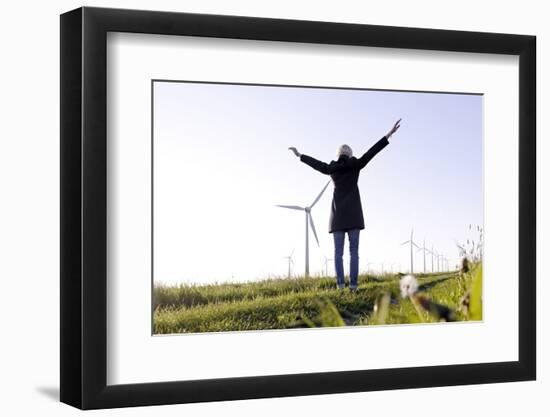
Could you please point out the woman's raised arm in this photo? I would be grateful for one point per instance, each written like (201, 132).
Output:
(378, 146)
(317, 165)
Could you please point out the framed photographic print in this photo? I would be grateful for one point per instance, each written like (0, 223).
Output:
(259, 207)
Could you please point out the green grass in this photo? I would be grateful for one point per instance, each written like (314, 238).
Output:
(301, 302)
(195, 295)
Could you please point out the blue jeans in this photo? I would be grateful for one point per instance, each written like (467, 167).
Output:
(339, 238)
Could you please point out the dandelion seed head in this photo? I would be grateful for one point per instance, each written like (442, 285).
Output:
(408, 285)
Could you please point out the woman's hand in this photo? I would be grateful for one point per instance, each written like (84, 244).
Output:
(293, 149)
(393, 129)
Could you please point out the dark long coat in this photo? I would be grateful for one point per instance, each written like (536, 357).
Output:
(346, 212)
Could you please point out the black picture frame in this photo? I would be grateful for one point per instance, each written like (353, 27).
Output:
(83, 312)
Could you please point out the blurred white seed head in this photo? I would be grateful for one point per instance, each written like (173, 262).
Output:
(408, 285)
(344, 150)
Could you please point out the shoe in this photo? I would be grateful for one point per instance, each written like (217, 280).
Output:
(352, 290)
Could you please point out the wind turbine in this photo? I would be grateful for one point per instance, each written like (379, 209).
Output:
(432, 253)
(444, 263)
(327, 260)
(411, 243)
(423, 249)
(290, 261)
(309, 222)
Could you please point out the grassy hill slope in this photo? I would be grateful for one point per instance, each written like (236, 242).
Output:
(307, 302)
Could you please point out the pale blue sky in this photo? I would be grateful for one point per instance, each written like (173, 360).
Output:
(221, 164)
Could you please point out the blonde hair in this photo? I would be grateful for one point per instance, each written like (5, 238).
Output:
(344, 150)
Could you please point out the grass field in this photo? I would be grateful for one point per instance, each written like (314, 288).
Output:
(315, 302)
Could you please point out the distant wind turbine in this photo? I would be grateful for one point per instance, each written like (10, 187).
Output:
(424, 249)
(432, 253)
(411, 243)
(327, 260)
(290, 261)
(309, 222)
(437, 260)
(442, 257)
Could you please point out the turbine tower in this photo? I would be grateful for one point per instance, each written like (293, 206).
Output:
(411, 243)
(309, 222)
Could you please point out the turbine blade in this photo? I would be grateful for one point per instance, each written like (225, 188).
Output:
(313, 228)
(320, 194)
(404, 243)
(290, 207)
(414, 244)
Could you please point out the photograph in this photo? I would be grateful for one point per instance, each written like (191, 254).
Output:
(299, 207)
(273, 205)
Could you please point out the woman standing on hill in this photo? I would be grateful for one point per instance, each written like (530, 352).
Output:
(346, 213)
